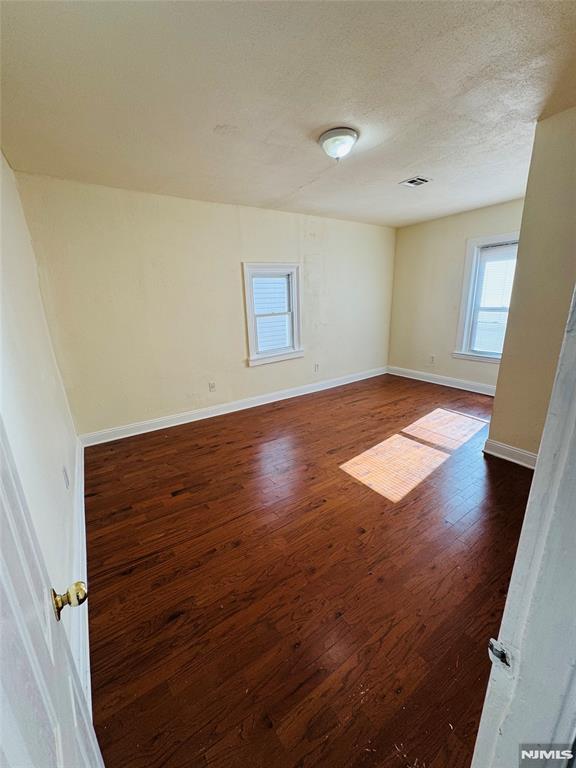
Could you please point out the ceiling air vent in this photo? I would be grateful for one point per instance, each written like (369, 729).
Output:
(415, 181)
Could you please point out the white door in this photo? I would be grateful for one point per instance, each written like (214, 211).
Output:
(531, 698)
(44, 718)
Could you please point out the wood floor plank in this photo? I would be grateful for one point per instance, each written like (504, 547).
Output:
(253, 604)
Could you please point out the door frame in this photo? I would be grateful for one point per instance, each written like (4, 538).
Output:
(78, 631)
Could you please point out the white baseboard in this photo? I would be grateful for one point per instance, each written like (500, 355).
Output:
(508, 452)
(163, 422)
(79, 641)
(445, 381)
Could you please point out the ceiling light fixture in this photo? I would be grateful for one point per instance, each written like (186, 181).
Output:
(337, 142)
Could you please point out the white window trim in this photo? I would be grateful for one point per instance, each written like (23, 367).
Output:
(473, 248)
(292, 269)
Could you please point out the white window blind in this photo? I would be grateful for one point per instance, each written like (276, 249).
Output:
(273, 311)
(496, 267)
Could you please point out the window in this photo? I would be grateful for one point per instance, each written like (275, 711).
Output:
(489, 276)
(273, 312)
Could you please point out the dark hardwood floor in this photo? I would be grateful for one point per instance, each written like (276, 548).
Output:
(254, 605)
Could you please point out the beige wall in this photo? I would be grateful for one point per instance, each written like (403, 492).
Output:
(543, 286)
(32, 401)
(428, 277)
(144, 297)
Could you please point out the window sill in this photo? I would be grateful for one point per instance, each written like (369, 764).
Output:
(275, 358)
(477, 358)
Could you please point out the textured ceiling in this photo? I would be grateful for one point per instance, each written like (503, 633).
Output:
(224, 101)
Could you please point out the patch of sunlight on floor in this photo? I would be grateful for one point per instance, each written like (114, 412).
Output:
(446, 429)
(395, 467)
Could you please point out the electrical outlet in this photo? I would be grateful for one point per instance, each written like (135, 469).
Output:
(211, 386)
(432, 359)
(316, 367)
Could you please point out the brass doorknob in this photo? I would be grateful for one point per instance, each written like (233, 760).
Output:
(74, 596)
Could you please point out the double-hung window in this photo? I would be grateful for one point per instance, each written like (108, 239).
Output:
(489, 276)
(273, 312)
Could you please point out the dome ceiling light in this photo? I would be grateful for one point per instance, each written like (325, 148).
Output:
(337, 142)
